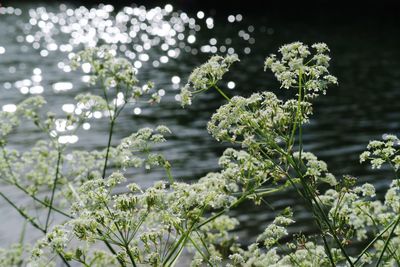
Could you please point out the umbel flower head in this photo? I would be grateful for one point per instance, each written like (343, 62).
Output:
(298, 67)
(117, 77)
(385, 151)
(206, 76)
(244, 119)
(104, 66)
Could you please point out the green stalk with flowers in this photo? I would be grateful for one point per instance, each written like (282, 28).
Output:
(84, 221)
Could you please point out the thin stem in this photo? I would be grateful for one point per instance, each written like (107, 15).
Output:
(298, 111)
(110, 134)
(221, 92)
(108, 245)
(47, 205)
(314, 202)
(59, 156)
(15, 183)
(23, 214)
(130, 254)
(22, 236)
(199, 250)
(387, 241)
(182, 240)
(300, 116)
(167, 167)
(203, 242)
(32, 222)
(392, 253)
(376, 238)
(308, 192)
(215, 216)
(181, 244)
(63, 259)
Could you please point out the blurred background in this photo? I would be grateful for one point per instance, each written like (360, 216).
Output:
(165, 40)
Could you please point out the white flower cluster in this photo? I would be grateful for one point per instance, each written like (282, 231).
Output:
(143, 223)
(298, 67)
(307, 254)
(206, 76)
(108, 226)
(29, 108)
(116, 75)
(380, 152)
(275, 231)
(317, 170)
(105, 67)
(260, 116)
(13, 255)
(244, 171)
(128, 153)
(360, 213)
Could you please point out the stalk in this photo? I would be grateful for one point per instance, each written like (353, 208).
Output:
(110, 134)
(130, 255)
(387, 241)
(54, 188)
(23, 214)
(221, 92)
(376, 238)
(15, 183)
(309, 195)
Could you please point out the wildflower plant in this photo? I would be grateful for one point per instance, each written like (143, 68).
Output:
(206, 77)
(85, 219)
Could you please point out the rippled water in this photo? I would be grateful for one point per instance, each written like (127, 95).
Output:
(164, 45)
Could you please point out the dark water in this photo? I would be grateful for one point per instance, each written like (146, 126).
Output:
(365, 58)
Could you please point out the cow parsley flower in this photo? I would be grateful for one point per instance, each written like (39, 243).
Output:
(298, 68)
(206, 76)
(115, 72)
(116, 76)
(317, 170)
(260, 115)
(385, 151)
(275, 231)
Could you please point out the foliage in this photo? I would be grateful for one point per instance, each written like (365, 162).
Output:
(85, 220)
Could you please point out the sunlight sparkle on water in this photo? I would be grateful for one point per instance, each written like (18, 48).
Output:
(62, 86)
(9, 108)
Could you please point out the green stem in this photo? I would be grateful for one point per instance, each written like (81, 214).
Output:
(376, 225)
(307, 190)
(327, 249)
(182, 241)
(15, 183)
(199, 250)
(108, 245)
(167, 167)
(63, 259)
(110, 134)
(387, 241)
(130, 255)
(376, 238)
(233, 205)
(59, 154)
(291, 140)
(32, 222)
(22, 213)
(221, 92)
(300, 117)
(47, 205)
(310, 197)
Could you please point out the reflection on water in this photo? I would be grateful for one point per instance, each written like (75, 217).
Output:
(164, 44)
